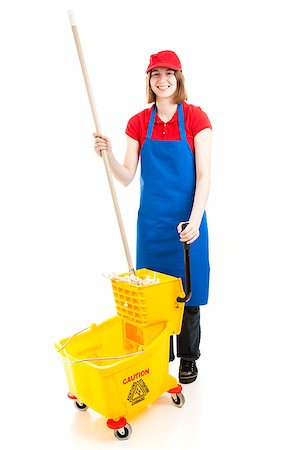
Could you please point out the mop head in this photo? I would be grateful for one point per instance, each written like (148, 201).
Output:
(134, 279)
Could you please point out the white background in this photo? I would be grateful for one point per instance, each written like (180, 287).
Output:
(59, 231)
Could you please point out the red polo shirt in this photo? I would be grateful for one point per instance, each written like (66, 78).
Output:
(195, 120)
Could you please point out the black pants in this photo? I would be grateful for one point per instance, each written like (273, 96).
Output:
(188, 341)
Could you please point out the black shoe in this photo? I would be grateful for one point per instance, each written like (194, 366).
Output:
(187, 371)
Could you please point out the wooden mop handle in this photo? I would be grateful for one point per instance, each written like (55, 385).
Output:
(98, 130)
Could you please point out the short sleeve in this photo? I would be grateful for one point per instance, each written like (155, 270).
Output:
(200, 121)
(133, 128)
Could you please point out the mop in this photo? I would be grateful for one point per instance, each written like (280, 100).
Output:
(132, 278)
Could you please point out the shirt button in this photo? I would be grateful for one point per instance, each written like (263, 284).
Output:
(164, 132)
(165, 124)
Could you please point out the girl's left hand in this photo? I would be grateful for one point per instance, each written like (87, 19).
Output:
(190, 233)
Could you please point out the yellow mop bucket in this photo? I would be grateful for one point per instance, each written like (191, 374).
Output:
(112, 376)
(121, 365)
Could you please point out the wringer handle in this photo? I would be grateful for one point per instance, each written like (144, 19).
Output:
(98, 129)
(187, 270)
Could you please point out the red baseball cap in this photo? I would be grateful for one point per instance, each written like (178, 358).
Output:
(166, 58)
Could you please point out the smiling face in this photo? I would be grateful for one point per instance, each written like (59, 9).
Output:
(163, 82)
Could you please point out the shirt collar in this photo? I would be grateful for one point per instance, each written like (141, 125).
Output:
(174, 118)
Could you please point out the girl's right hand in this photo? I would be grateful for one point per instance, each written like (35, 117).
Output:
(101, 143)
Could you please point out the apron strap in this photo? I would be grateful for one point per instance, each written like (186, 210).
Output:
(180, 122)
(151, 123)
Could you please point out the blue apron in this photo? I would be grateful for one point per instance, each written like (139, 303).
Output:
(168, 179)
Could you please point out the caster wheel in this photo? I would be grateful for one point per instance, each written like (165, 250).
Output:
(80, 406)
(178, 399)
(123, 433)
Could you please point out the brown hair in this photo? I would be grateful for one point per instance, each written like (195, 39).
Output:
(180, 93)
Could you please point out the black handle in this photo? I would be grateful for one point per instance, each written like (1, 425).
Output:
(187, 270)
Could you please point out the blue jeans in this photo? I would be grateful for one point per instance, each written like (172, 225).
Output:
(188, 341)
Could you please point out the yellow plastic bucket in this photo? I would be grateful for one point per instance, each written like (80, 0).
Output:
(121, 386)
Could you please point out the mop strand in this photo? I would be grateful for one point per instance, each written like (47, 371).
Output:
(133, 279)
